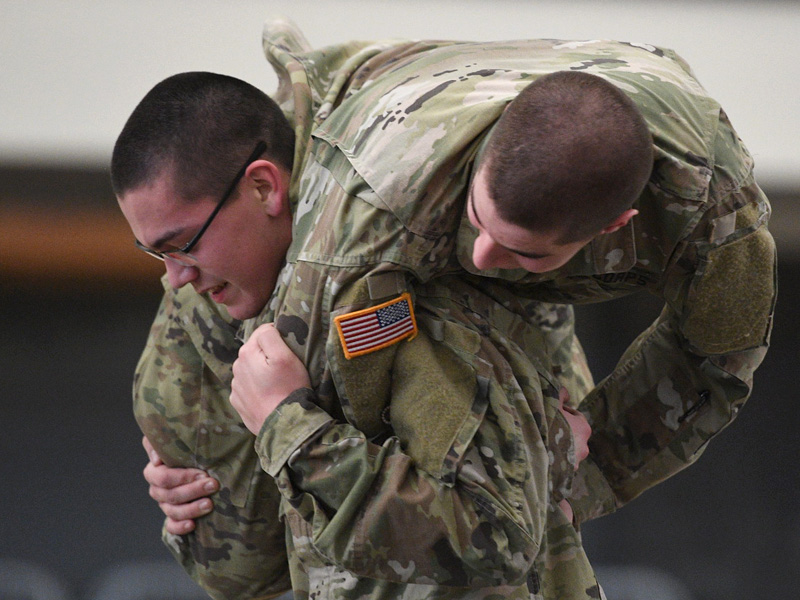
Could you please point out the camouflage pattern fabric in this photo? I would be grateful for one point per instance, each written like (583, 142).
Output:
(360, 469)
(181, 392)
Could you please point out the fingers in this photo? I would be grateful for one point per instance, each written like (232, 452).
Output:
(581, 453)
(179, 527)
(563, 400)
(264, 374)
(180, 514)
(180, 493)
(151, 453)
(268, 340)
(178, 486)
(567, 508)
(581, 430)
(264, 346)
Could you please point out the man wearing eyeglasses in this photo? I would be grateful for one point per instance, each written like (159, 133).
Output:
(227, 237)
(428, 458)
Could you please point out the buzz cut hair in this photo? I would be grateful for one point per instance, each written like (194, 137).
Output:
(570, 154)
(198, 128)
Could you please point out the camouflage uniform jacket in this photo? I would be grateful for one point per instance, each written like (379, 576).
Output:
(360, 465)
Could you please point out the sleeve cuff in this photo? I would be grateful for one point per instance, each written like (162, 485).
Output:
(591, 496)
(295, 420)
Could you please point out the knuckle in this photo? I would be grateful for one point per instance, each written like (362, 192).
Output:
(169, 510)
(154, 493)
(237, 366)
(156, 478)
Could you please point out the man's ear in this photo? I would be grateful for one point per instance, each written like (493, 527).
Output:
(270, 184)
(620, 221)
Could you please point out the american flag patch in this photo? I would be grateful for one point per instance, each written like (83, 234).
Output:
(371, 329)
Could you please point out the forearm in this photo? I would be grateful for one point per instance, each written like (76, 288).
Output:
(666, 405)
(237, 552)
(685, 378)
(181, 404)
(456, 488)
(370, 510)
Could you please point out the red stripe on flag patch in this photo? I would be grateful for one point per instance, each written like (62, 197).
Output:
(373, 328)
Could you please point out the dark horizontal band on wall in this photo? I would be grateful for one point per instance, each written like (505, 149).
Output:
(60, 226)
(48, 245)
(63, 226)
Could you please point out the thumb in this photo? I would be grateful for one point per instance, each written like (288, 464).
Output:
(151, 452)
(269, 340)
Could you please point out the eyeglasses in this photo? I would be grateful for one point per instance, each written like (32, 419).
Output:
(179, 254)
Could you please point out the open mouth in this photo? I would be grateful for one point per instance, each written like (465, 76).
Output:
(215, 293)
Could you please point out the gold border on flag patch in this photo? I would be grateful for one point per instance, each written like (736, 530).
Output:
(371, 329)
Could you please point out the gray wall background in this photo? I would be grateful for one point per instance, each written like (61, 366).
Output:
(72, 71)
(75, 508)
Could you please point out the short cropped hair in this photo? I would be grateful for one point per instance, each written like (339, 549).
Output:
(202, 126)
(570, 154)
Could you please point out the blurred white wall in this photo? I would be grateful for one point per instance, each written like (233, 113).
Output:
(71, 72)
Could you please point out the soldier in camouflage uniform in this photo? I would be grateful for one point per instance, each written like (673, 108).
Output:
(378, 501)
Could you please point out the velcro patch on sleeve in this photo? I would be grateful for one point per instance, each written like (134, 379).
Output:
(730, 309)
(371, 329)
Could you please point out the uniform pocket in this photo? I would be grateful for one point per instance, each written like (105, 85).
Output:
(438, 398)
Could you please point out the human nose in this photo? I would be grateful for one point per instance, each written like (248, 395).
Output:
(179, 274)
(485, 253)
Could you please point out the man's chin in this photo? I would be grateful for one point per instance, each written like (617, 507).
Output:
(243, 311)
(239, 313)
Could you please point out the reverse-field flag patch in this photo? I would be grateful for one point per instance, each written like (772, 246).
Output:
(373, 328)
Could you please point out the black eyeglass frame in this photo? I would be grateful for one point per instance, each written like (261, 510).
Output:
(186, 248)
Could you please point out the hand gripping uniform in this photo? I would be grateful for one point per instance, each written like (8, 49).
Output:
(428, 459)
